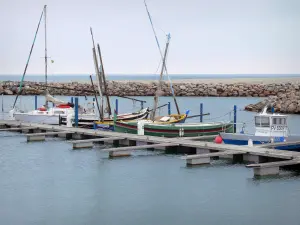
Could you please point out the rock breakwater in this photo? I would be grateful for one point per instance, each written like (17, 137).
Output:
(283, 103)
(132, 88)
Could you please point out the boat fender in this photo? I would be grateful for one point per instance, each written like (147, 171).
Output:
(218, 140)
(11, 114)
(69, 120)
(250, 143)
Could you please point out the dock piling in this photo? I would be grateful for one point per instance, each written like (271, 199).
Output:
(169, 108)
(35, 102)
(201, 112)
(76, 111)
(117, 106)
(234, 119)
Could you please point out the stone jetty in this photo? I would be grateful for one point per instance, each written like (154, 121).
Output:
(136, 88)
(283, 103)
(285, 96)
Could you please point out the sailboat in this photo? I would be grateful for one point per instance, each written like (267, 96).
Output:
(171, 125)
(106, 122)
(45, 114)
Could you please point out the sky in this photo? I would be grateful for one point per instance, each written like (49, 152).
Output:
(207, 36)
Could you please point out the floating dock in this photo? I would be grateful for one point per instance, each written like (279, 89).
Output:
(267, 161)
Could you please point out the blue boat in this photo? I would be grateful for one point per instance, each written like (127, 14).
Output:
(269, 128)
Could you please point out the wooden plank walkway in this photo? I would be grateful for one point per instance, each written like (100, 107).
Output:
(49, 133)
(208, 155)
(17, 128)
(96, 140)
(151, 139)
(272, 164)
(139, 147)
(89, 143)
(277, 144)
(204, 137)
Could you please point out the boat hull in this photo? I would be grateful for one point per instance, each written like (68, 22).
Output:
(44, 119)
(242, 139)
(175, 130)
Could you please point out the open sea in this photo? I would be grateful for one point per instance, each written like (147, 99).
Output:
(150, 77)
(49, 183)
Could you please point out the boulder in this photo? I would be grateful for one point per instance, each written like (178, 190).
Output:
(8, 92)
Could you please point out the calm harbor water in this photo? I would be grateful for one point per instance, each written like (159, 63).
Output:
(49, 183)
(151, 77)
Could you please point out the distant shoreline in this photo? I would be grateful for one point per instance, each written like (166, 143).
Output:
(204, 78)
(198, 80)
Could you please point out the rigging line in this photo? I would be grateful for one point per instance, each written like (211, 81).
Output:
(159, 48)
(21, 83)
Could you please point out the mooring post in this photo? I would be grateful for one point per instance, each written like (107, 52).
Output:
(94, 105)
(76, 111)
(35, 102)
(169, 108)
(201, 112)
(117, 106)
(273, 110)
(142, 105)
(234, 119)
(72, 100)
(2, 103)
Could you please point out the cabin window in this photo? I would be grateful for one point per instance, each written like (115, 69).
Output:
(279, 121)
(257, 121)
(283, 121)
(265, 122)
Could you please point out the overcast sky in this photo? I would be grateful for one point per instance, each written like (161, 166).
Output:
(208, 36)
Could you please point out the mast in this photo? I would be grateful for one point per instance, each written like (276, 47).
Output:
(46, 58)
(161, 55)
(27, 63)
(99, 80)
(104, 81)
(160, 79)
(95, 94)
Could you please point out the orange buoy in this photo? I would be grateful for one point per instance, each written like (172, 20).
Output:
(218, 140)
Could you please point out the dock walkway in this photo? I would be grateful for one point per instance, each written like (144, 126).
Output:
(254, 154)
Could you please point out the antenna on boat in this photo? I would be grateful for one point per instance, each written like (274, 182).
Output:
(27, 63)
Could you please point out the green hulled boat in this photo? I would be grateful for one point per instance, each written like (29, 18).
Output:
(174, 130)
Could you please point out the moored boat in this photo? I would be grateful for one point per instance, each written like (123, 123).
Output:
(269, 128)
(173, 130)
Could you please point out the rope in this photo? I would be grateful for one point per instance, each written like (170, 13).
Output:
(221, 115)
(159, 48)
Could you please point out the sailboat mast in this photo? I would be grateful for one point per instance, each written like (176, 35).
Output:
(46, 58)
(160, 79)
(104, 81)
(99, 81)
(157, 42)
(27, 63)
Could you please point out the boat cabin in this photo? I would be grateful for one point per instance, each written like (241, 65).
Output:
(274, 125)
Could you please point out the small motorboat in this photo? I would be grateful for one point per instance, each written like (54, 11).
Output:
(269, 128)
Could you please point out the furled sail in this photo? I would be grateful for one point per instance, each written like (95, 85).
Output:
(50, 98)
